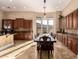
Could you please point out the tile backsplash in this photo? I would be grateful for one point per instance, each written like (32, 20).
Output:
(72, 31)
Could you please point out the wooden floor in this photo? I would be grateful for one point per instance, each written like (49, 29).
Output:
(60, 52)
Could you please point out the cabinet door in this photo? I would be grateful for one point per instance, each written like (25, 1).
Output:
(65, 40)
(15, 24)
(70, 43)
(7, 22)
(75, 45)
(20, 22)
(75, 19)
(26, 24)
(67, 22)
(70, 21)
(30, 24)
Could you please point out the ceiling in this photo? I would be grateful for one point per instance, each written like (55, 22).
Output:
(33, 5)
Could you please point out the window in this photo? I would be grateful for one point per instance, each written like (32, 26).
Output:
(44, 25)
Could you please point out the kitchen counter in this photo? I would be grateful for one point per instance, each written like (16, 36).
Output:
(69, 34)
(70, 40)
(6, 41)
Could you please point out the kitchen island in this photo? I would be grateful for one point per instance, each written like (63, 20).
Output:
(6, 41)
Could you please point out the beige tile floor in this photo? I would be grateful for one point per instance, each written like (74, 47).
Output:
(60, 52)
(18, 44)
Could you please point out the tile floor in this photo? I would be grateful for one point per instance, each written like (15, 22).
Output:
(17, 45)
(60, 52)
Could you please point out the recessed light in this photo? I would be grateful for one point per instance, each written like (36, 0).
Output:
(3, 7)
(14, 7)
(57, 7)
(11, 0)
(60, 1)
(24, 7)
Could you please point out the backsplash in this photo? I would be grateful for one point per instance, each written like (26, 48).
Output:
(72, 31)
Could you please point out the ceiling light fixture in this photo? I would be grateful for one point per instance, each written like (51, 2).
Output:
(3, 7)
(44, 9)
(60, 1)
(11, 0)
(24, 7)
(14, 7)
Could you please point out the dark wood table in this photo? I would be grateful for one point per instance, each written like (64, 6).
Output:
(46, 46)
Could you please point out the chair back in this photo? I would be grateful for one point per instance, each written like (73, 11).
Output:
(45, 38)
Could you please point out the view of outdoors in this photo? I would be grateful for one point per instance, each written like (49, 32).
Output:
(44, 25)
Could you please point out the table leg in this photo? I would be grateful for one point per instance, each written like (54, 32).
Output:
(48, 54)
(40, 54)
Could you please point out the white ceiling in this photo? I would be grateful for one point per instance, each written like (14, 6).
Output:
(33, 5)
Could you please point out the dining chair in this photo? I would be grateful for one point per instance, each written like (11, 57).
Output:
(45, 46)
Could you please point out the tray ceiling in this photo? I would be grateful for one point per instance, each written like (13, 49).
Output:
(33, 5)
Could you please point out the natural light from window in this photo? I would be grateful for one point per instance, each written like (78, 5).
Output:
(44, 22)
(50, 22)
(38, 21)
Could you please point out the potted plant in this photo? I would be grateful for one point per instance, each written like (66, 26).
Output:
(61, 23)
(61, 17)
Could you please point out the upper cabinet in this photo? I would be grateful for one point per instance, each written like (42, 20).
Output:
(67, 22)
(72, 20)
(28, 24)
(7, 23)
(20, 23)
(75, 19)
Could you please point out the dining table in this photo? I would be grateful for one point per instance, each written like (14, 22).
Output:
(48, 43)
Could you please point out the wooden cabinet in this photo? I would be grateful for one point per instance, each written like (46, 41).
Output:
(20, 22)
(28, 36)
(23, 36)
(19, 36)
(67, 22)
(7, 22)
(75, 19)
(72, 20)
(70, 43)
(69, 40)
(65, 39)
(22, 27)
(28, 24)
(15, 24)
(73, 44)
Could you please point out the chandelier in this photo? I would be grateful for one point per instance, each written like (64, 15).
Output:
(44, 8)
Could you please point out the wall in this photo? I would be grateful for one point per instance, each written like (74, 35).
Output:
(32, 16)
(73, 5)
(1, 16)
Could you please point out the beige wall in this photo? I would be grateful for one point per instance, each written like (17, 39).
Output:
(32, 16)
(73, 5)
(1, 17)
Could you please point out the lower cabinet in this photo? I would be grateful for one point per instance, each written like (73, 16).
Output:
(65, 40)
(74, 45)
(28, 36)
(70, 41)
(23, 36)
